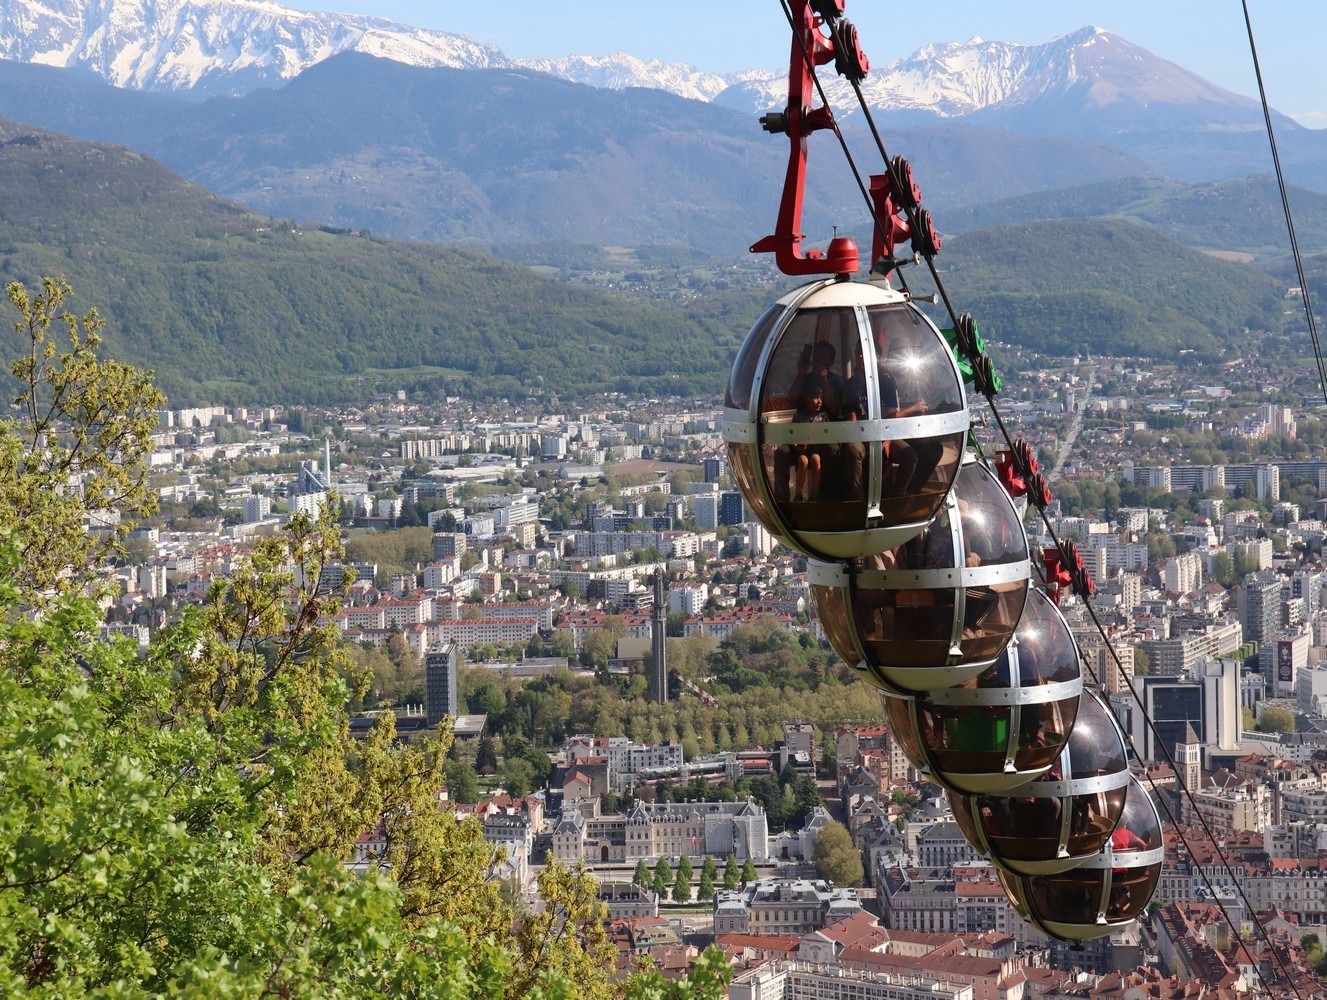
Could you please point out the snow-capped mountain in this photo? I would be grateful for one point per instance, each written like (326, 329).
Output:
(957, 79)
(618, 71)
(213, 46)
(205, 47)
(415, 146)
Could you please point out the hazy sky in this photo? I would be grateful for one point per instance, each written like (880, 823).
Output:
(1206, 36)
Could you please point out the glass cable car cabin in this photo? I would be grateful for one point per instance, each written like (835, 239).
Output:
(844, 418)
(1107, 891)
(938, 608)
(1007, 726)
(1065, 817)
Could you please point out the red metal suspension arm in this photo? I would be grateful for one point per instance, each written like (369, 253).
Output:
(810, 48)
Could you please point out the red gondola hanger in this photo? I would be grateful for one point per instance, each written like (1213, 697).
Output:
(810, 48)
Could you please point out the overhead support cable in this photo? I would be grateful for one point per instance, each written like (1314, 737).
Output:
(1066, 549)
(1285, 207)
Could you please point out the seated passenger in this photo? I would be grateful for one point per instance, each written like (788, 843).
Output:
(815, 369)
(1035, 738)
(807, 458)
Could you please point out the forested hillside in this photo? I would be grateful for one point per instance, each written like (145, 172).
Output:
(231, 307)
(228, 306)
(1240, 215)
(1108, 287)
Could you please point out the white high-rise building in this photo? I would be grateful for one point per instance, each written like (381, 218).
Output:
(307, 503)
(256, 508)
(759, 540)
(1267, 478)
(706, 506)
(689, 600)
(152, 580)
(1311, 690)
(1279, 420)
(1183, 573)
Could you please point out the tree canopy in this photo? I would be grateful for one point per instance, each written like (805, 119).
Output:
(201, 804)
(836, 857)
(1275, 719)
(73, 454)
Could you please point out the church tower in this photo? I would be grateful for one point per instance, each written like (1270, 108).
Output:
(1189, 758)
(659, 643)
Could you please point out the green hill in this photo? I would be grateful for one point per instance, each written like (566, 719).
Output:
(228, 306)
(1109, 287)
(1240, 216)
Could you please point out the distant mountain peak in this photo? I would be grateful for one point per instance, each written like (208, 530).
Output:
(619, 70)
(213, 46)
(206, 47)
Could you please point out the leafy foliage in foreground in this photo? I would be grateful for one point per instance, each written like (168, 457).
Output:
(176, 822)
(77, 417)
(195, 803)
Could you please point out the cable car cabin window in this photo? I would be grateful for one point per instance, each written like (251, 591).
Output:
(1074, 897)
(1100, 750)
(743, 472)
(1139, 828)
(832, 609)
(971, 738)
(910, 627)
(989, 617)
(818, 484)
(1092, 816)
(1046, 653)
(743, 375)
(1017, 891)
(914, 377)
(1043, 729)
(989, 536)
(813, 350)
(1131, 891)
(905, 628)
(917, 362)
(1021, 828)
(908, 737)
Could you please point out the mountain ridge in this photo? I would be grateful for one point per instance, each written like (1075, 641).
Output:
(1088, 85)
(470, 156)
(205, 47)
(208, 47)
(229, 306)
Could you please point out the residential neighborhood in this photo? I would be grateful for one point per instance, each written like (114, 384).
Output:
(548, 538)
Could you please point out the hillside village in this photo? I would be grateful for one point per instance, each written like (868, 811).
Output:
(546, 533)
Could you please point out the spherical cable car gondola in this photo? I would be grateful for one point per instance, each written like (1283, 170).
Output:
(1006, 727)
(844, 418)
(1064, 818)
(938, 609)
(1104, 893)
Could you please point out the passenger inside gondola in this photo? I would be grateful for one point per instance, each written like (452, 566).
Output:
(807, 458)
